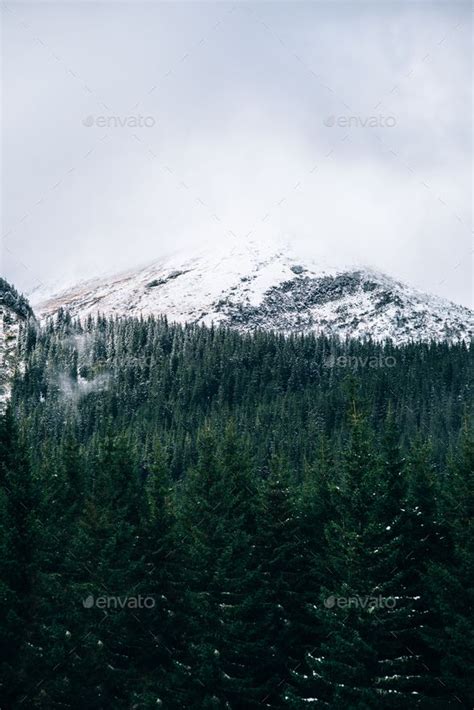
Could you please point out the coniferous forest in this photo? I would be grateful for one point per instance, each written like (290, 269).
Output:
(194, 518)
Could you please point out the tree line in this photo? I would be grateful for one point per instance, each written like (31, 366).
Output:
(191, 518)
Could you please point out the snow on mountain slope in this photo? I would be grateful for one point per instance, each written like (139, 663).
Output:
(14, 310)
(265, 286)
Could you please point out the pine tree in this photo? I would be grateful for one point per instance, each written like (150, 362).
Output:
(450, 583)
(215, 523)
(360, 662)
(107, 566)
(158, 637)
(286, 559)
(21, 656)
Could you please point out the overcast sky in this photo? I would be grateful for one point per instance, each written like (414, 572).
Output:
(131, 129)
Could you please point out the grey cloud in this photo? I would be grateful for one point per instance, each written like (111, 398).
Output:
(239, 96)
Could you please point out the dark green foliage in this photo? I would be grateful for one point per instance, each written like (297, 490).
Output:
(249, 489)
(10, 298)
(450, 581)
(20, 568)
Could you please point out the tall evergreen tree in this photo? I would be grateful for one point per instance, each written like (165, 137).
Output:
(361, 662)
(286, 561)
(21, 656)
(450, 582)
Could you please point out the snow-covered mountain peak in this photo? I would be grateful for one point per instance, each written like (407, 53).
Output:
(266, 285)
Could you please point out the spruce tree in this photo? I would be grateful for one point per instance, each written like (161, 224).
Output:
(362, 609)
(21, 655)
(450, 582)
(286, 557)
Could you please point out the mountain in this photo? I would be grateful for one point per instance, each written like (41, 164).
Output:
(264, 286)
(14, 310)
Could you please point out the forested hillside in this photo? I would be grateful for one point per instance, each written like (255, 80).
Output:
(193, 518)
(14, 309)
